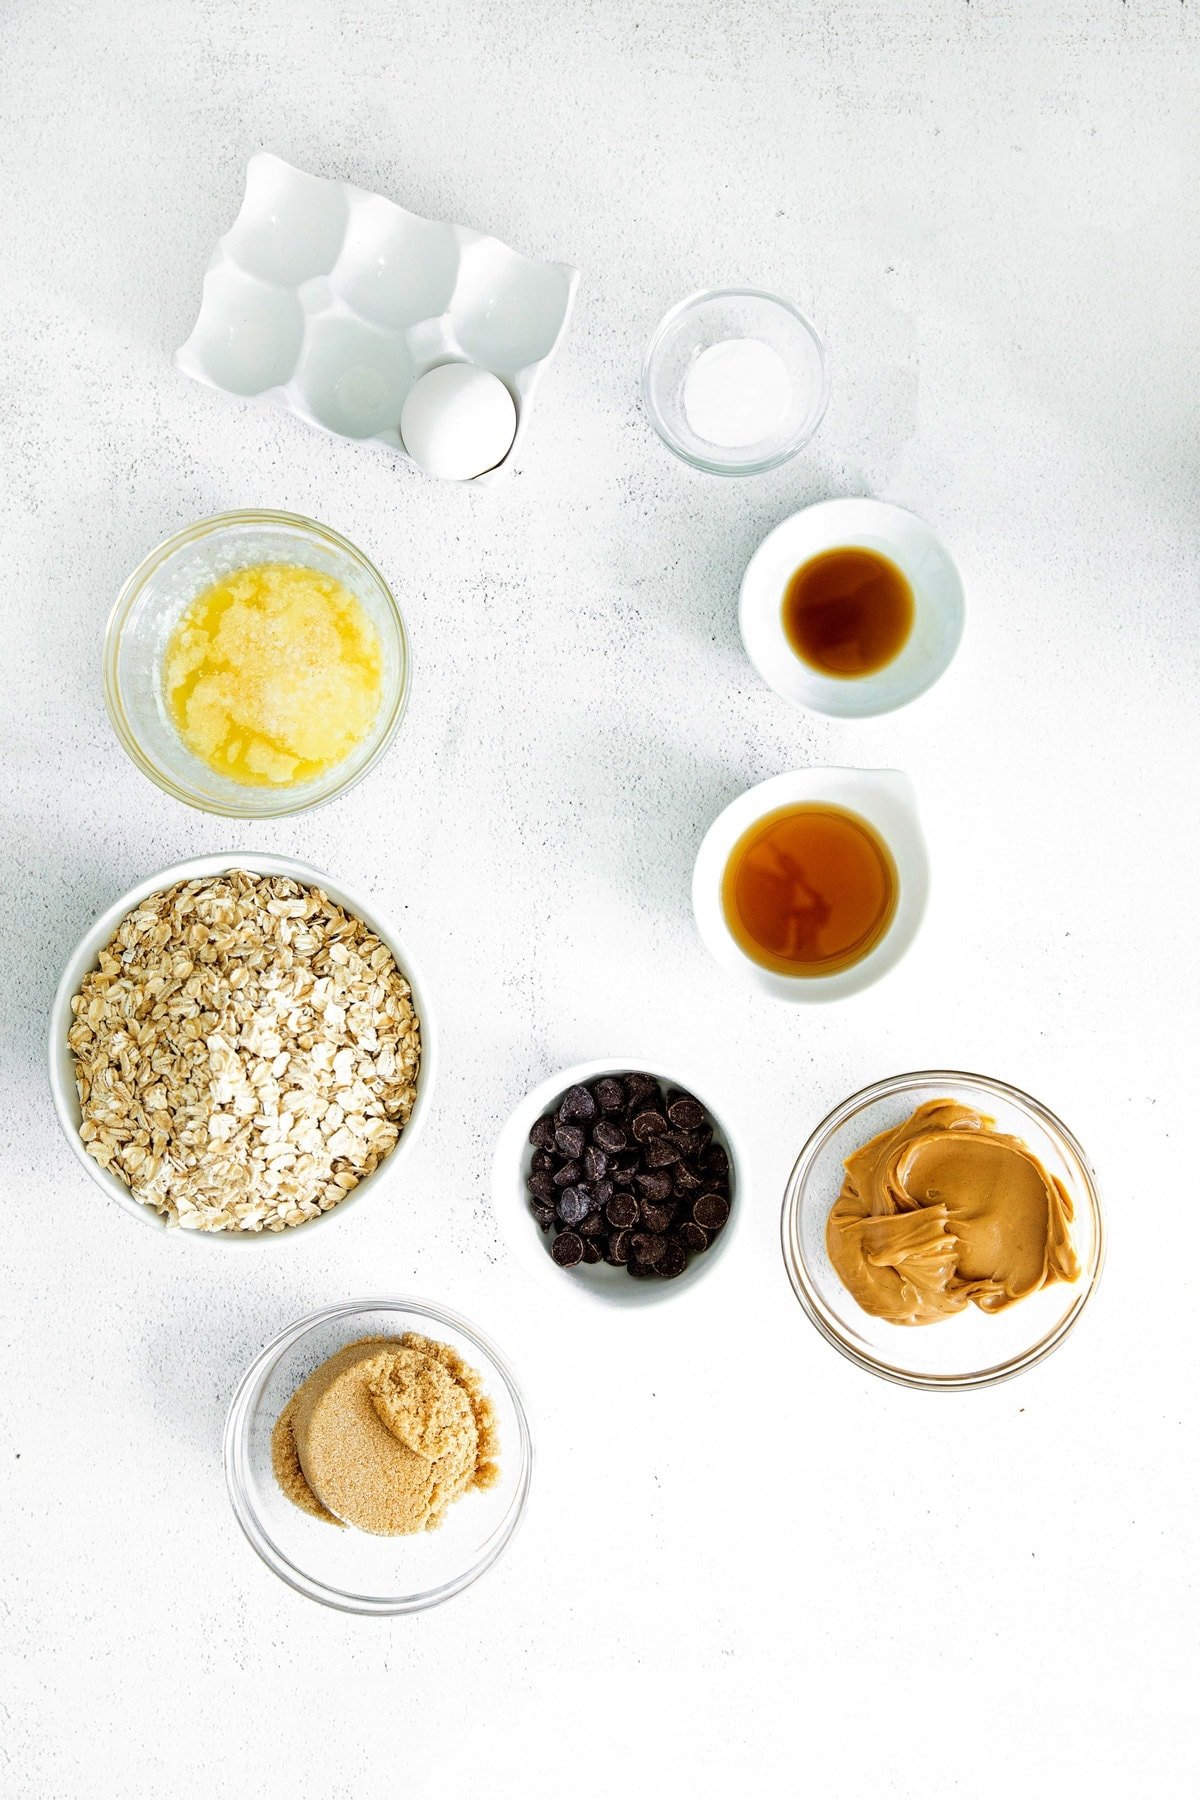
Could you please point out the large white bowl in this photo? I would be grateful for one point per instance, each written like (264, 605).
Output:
(887, 801)
(938, 606)
(86, 956)
(599, 1283)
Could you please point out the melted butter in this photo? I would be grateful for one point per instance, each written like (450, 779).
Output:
(944, 1212)
(274, 674)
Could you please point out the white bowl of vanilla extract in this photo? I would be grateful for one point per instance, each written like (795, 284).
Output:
(851, 608)
(813, 885)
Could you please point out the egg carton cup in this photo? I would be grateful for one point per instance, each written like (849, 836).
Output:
(330, 301)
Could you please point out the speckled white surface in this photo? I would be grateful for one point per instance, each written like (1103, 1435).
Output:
(746, 1567)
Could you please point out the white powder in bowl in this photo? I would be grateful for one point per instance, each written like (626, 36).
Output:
(736, 393)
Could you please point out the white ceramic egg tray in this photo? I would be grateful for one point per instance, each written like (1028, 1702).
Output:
(330, 301)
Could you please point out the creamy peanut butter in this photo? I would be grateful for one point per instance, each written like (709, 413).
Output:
(945, 1210)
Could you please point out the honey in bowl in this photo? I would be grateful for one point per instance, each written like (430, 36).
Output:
(848, 612)
(809, 890)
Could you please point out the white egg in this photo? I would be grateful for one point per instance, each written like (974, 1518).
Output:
(458, 421)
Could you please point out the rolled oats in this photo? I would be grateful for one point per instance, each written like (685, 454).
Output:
(245, 1053)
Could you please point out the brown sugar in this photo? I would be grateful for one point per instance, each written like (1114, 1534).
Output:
(285, 1461)
(386, 1435)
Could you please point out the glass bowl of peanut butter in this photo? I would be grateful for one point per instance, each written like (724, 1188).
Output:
(943, 1230)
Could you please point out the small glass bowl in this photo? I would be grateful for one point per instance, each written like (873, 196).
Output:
(147, 610)
(709, 318)
(972, 1349)
(351, 1570)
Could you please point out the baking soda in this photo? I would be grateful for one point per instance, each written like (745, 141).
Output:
(737, 393)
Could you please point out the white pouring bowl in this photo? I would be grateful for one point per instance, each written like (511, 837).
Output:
(886, 800)
(938, 606)
(86, 955)
(599, 1283)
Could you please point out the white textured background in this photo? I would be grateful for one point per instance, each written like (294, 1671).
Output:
(746, 1567)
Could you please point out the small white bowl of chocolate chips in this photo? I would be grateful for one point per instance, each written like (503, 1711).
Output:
(616, 1182)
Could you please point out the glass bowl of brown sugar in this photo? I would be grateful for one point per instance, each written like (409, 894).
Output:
(377, 1568)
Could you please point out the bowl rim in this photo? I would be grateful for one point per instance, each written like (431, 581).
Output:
(233, 1451)
(753, 602)
(123, 606)
(793, 787)
(806, 1291)
(84, 957)
(657, 337)
(642, 1296)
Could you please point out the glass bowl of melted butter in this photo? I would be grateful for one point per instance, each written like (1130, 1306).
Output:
(256, 664)
(943, 1230)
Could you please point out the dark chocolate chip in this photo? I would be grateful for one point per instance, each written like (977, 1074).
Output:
(710, 1211)
(617, 1252)
(595, 1163)
(573, 1205)
(656, 1217)
(647, 1124)
(609, 1094)
(648, 1246)
(567, 1249)
(608, 1135)
(622, 1211)
(640, 1087)
(684, 1112)
(569, 1139)
(541, 1132)
(656, 1186)
(673, 1260)
(621, 1133)
(576, 1104)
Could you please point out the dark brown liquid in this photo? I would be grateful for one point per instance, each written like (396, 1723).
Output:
(848, 612)
(809, 890)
